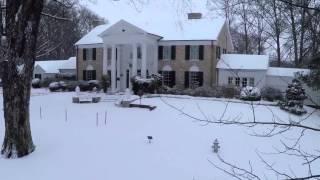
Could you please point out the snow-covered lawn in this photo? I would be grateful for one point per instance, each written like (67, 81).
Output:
(77, 149)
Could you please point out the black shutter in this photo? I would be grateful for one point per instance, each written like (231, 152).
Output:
(172, 78)
(94, 76)
(187, 52)
(200, 75)
(218, 52)
(173, 52)
(94, 54)
(186, 79)
(84, 54)
(84, 75)
(201, 52)
(160, 52)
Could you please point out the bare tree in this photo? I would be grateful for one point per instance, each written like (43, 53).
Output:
(17, 60)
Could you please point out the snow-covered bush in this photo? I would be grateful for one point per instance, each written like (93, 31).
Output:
(250, 94)
(295, 96)
(271, 94)
(35, 83)
(147, 85)
(54, 86)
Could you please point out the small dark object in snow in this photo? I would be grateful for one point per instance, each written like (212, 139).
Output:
(142, 106)
(149, 138)
(215, 146)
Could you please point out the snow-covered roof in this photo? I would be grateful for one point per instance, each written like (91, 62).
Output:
(53, 66)
(241, 61)
(93, 36)
(197, 29)
(285, 72)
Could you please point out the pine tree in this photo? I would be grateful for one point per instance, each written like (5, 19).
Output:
(295, 96)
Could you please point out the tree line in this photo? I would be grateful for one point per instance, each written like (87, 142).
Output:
(289, 30)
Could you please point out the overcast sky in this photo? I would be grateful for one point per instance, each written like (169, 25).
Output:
(149, 10)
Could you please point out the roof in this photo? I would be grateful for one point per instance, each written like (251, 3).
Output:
(196, 29)
(54, 66)
(240, 61)
(285, 72)
(93, 36)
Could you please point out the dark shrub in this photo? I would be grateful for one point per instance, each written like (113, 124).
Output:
(271, 94)
(229, 92)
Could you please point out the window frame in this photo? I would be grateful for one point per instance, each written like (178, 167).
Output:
(252, 82)
(230, 80)
(166, 53)
(244, 82)
(89, 74)
(194, 52)
(237, 81)
(194, 80)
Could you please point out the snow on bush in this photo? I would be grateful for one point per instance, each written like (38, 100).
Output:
(295, 96)
(250, 94)
(146, 85)
(35, 83)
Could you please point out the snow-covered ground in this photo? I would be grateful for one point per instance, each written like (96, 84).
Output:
(78, 149)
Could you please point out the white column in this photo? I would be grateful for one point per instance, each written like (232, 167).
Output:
(113, 69)
(155, 60)
(134, 59)
(118, 67)
(105, 60)
(144, 61)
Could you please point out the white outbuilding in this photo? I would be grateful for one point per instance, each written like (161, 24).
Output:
(242, 70)
(54, 68)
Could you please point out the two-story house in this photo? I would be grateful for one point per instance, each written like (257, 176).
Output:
(186, 54)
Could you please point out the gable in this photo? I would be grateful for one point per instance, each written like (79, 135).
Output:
(122, 27)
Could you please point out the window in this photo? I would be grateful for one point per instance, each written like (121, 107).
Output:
(139, 72)
(195, 79)
(230, 80)
(89, 54)
(238, 81)
(166, 52)
(38, 76)
(89, 75)
(194, 52)
(244, 82)
(218, 52)
(251, 82)
(166, 78)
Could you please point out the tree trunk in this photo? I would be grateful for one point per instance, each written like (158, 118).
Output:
(294, 35)
(22, 21)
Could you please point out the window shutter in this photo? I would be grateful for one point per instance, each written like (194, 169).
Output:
(200, 75)
(84, 75)
(218, 52)
(172, 78)
(84, 54)
(94, 54)
(160, 52)
(186, 79)
(187, 52)
(201, 52)
(173, 52)
(94, 76)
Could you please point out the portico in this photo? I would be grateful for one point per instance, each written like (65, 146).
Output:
(128, 51)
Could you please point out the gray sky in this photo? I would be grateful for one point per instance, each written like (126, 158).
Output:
(145, 11)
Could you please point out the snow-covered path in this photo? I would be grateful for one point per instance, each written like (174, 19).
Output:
(77, 149)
